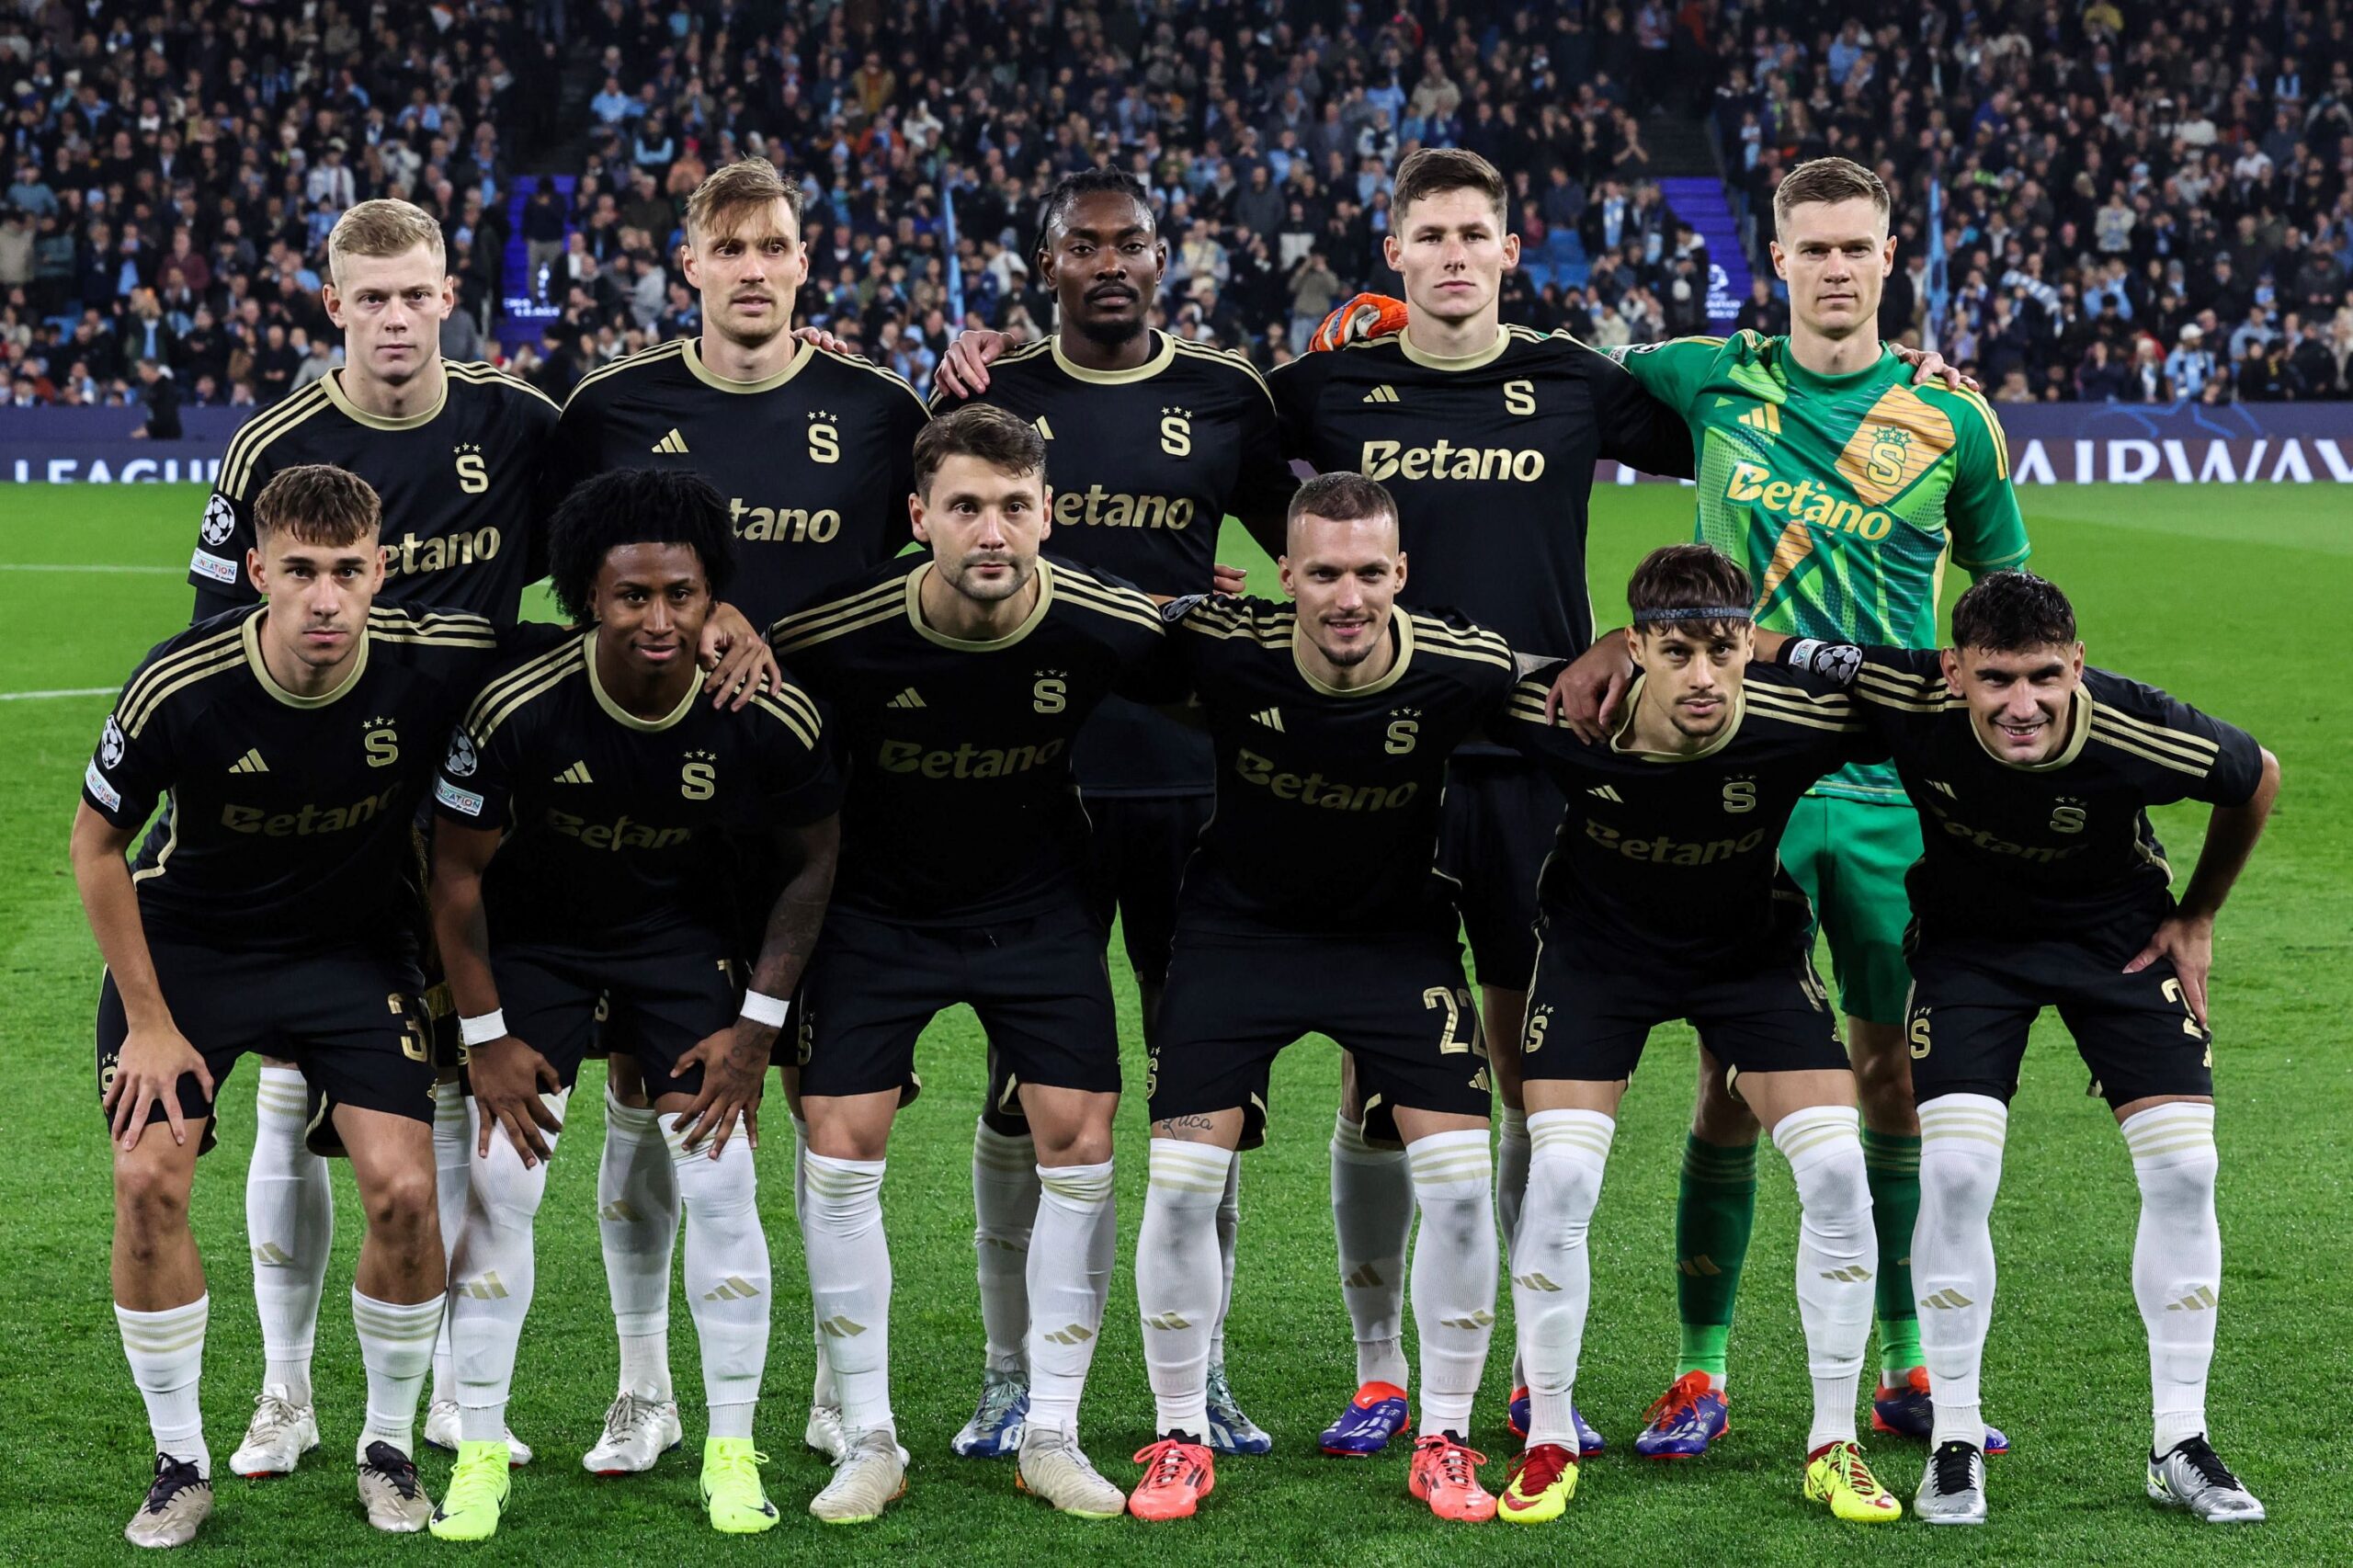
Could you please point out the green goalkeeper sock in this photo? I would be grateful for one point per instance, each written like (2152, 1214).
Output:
(1715, 1207)
(1892, 1165)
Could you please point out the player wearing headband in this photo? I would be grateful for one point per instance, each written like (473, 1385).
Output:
(1664, 898)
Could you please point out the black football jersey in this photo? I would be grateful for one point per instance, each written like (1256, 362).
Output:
(816, 462)
(288, 817)
(2057, 848)
(1327, 798)
(616, 825)
(465, 486)
(1491, 458)
(1674, 859)
(961, 804)
(1144, 465)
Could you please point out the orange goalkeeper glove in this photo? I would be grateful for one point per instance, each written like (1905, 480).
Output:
(1366, 316)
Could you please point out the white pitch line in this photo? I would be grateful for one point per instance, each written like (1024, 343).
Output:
(45, 566)
(67, 691)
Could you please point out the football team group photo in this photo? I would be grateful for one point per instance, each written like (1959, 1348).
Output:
(844, 788)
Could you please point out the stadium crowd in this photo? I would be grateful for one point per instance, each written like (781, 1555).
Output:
(2140, 210)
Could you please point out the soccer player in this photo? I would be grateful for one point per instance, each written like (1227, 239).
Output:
(2043, 885)
(1151, 443)
(812, 450)
(1664, 899)
(582, 853)
(1846, 490)
(1313, 904)
(456, 453)
(266, 913)
(1486, 436)
(958, 681)
(459, 455)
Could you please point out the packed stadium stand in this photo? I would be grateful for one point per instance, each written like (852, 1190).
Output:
(2142, 209)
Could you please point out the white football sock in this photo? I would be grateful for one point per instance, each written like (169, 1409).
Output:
(1176, 1280)
(1837, 1259)
(492, 1278)
(395, 1345)
(1454, 1272)
(1229, 1236)
(289, 1222)
(850, 1279)
(823, 1391)
(2177, 1260)
(1372, 1215)
(1070, 1279)
(1551, 1279)
(637, 1220)
(166, 1354)
(729, 1288)
(1005, 1210)
(1511, 1189)
(1952, 1254)
(451, 1170)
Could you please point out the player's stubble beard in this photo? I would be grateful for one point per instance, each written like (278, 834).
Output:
(1109, 334)
(983, 591)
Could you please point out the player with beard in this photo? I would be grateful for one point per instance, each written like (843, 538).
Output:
(956, 682)
(1151, 442)
(1487, 435)
(459, 455)
(1313, 905)
(812, 450)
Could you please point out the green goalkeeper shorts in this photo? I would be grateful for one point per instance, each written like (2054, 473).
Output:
(1851, 857)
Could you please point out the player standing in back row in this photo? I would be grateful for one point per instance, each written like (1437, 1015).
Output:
(1487, 434)
(812, 451)
(1846, 491)
(1151, 442)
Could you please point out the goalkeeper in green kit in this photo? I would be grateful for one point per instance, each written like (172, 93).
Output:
(1846, 490)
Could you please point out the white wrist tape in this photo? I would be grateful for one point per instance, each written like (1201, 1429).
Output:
(765, 1010)
(484, 1028)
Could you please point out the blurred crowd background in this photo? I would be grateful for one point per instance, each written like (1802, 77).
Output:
(2143, 204)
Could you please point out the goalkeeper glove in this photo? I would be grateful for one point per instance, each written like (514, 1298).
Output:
(1365, 317)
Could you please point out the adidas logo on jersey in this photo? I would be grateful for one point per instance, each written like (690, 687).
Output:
(907, 698)
(672, 445)
(1384, 392)
(1603, 792)
(1270, 716)
(576, 774)
(1764, 416)
(249, 763)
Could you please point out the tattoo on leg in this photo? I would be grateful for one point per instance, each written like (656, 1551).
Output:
(1190, 1129)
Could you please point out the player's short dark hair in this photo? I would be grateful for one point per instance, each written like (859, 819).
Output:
(980, 430)
(1100, 181)
(1434, 171)
(1688, 577)
(635, 505)
(2005, 612)
(318, 504)
(1342, 495)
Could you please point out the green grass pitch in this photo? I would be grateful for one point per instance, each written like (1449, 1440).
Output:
(2230, 598)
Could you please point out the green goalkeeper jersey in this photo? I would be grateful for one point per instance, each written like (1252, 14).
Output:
(1843, 495)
